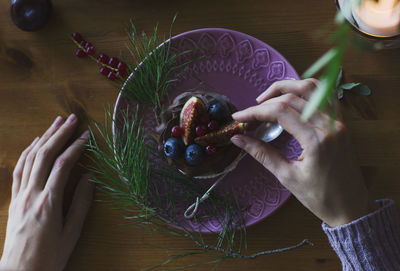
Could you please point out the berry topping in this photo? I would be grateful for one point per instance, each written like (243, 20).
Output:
(111, 76)
(201, 130)
(113, 62)
(105, 71)
(121, 66)
(204, 119)
(103, 58)
(213, 125)
(177, 131)
(77, 37)
(219, 113)
(80, 53)
(90, 51)
(211, 149)
(174, 148)
(194, 154)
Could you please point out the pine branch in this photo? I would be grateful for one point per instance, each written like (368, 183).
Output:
(132, 172)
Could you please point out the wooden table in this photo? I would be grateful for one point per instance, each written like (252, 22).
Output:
(40, 78)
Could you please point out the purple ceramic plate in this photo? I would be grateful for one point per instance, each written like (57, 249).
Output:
(240, 67)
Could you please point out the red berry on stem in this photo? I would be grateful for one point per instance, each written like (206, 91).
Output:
(105, 71)
(120, 74)
(205, 119)
(177, 131)
(210, 149)
(80, 53)
(90, 51)
(77, 37)
(103, 58)
(113, 62)
(83, 43)
(201, 130)
(88, 45)
(111, 76)
(121, 66)
(213, 125)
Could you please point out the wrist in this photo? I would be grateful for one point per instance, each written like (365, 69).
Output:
(354, 213)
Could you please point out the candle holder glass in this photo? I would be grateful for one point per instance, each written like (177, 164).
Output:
(368, 40)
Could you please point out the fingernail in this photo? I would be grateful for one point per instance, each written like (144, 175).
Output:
(71, 118)
(57, 121)
(85, 134)
(238, 141)
(259, 98)
(236, 114)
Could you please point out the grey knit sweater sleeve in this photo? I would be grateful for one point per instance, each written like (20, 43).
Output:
(370, 243)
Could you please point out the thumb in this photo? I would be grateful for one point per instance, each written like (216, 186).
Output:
(265, 154)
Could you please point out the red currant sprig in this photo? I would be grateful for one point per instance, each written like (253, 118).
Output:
(111, 67)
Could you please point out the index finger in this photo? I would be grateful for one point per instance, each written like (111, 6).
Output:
(49, 151)
(302, 88)
(286, 116)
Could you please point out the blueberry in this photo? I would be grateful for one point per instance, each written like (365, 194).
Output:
(174, 148)
(218, 112)
(194, 154)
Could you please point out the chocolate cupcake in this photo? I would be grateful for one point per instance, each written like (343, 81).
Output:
(202, 149)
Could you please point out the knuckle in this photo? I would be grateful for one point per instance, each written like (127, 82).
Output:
(307, 85)
(311, 82)
(17, 174)
(282, 106)
(25, 152)
(340, 128)
(275, 84)
(290, 97)
(31, 157)
(312, 139)
(43, 153)
(60, 163)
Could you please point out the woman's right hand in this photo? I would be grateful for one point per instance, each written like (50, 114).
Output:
(326, 177)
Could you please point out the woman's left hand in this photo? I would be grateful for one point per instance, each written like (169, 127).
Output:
(38, 236)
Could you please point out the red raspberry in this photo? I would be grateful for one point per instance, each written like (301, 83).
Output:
(213, 125)
(201, 130)
(105, 71)
(80, 53)
(90, 51)
(77, 37)
(121, 66)
(103, 58)
(88, 45)
(210, 149)
(113, 62)
(120, 73)
(177, 131)
(111, 76)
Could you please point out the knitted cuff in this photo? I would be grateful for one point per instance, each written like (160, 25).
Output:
(371, 242)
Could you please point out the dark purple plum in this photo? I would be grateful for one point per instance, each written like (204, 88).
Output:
(30, 15)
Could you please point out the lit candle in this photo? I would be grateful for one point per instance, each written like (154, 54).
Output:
(379, 18)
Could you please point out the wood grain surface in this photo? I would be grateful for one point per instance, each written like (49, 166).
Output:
(41, 78)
